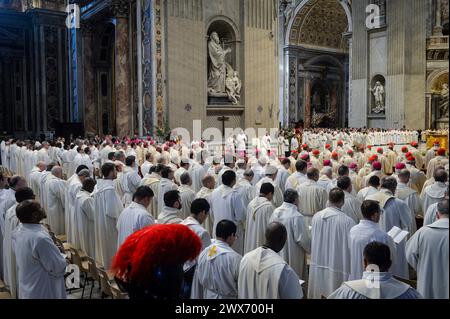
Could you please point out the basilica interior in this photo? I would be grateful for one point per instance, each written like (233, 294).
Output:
(127, 67)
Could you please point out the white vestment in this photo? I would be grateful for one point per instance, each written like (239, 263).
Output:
(56, 189)
(411, 198)
(133, 218)
(152, 181)
(246, 190)
(84, 217)
(312, 199)
(330, 254)
(129, 181)
(73, 187)
(433, 194)
(165, 185)
(187, 196)
(277, 195)
(169, 215)
(352, 207)
(298, 242)
(9, 257)
(259, 212)
(295, 180)
(427, 252)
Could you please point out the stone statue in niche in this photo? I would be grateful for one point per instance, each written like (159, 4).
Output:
(378, 92)
(443, 103)
(223, 80)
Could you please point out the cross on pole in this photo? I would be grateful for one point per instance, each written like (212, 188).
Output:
(223, 119)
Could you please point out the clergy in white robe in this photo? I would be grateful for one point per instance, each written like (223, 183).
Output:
(264, 274)
(198, 170)
(436, 191)
(299, 177)
(40, 265)
(217, 272)
(431, 153)
(245, 188)
(270, 177)
(55, 189)
(372, 188)
(129, 180)
(145, 167)
(394, 212)
(298, 243)
(427, 252)
(9, 257)
(171, 211)
(135, 216)
(108, 207)
(209, 183)
(165, 184)
(410, 197)
(377, 282)
(187, 194)
(326, 177)
(184, 168)
(283, 174)
(152, 180)
(35, 177)
(226, 203)
(352, 206)
(259, 211)
(439, 160)
(365, 232)
(312, 198)
(84, 217)
(330, 254)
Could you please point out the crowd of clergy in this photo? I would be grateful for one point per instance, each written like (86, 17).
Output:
(310, 223)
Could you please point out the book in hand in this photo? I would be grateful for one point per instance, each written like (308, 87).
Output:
(397, 234)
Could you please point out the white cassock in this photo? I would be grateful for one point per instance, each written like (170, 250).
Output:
(129, 181)
(205, 193)
(433, 194)
(361, 235)
(330, 254)
(34, 181)
(145, 168)
(277, 195)
(73, 186)
(165, 185)
(427, 252)
(365, 192)
(3, 152)
(390, 288)
(204, 236)
(177, 174)
(56, 189)
(169, 215)
(282, 176)
(324, 182)
(133, 218)
(84, 213)
(263, 274)
(298, 242)
(312, 199)
(7, 200)
(394, 212)
(42, 189)
(431, 153)
(219, 175)
(152, 181)
(227, 204)
(258, 215)
(197, 173)
(352, 207)
(246, 190)
(430, 215)
(295, 180)
(216, 276)
(411, 198)
(241, 141)
(108, 207)
(187, 196)
(9, 257)
(40, 265)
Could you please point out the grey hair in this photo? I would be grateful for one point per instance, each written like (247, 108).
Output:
(327, 170)
(56, 170)
(249, 173)
(84, 172)
(290, 195)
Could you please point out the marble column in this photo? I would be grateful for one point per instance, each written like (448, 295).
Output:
(90, 107)
(308, 102)
(122, 69)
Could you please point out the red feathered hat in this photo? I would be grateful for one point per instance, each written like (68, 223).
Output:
(152, 247)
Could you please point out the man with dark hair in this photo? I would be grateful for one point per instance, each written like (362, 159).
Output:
(283, 174)
(427, 252)
(83, 222)
(11, 223)
(352, 206)
(377, 282)
(366, 232)
(330, 259)
(171, 212)
(199, 212)
(270, 175)
(40, 265)
(298, 243)
(372, 188)
(165, 184)
(263, 274)
(217, 272)
(129, 180)
(111, 157)
(135, 216)
(312, 197)
(148, 163)
(299, 177)
(259, 211)
(226, 203)
(108, 207)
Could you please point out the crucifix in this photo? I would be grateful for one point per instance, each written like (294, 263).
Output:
(223, 119)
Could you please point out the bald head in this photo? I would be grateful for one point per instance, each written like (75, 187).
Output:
(41, 165)
(276, 236)
(57, 171)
